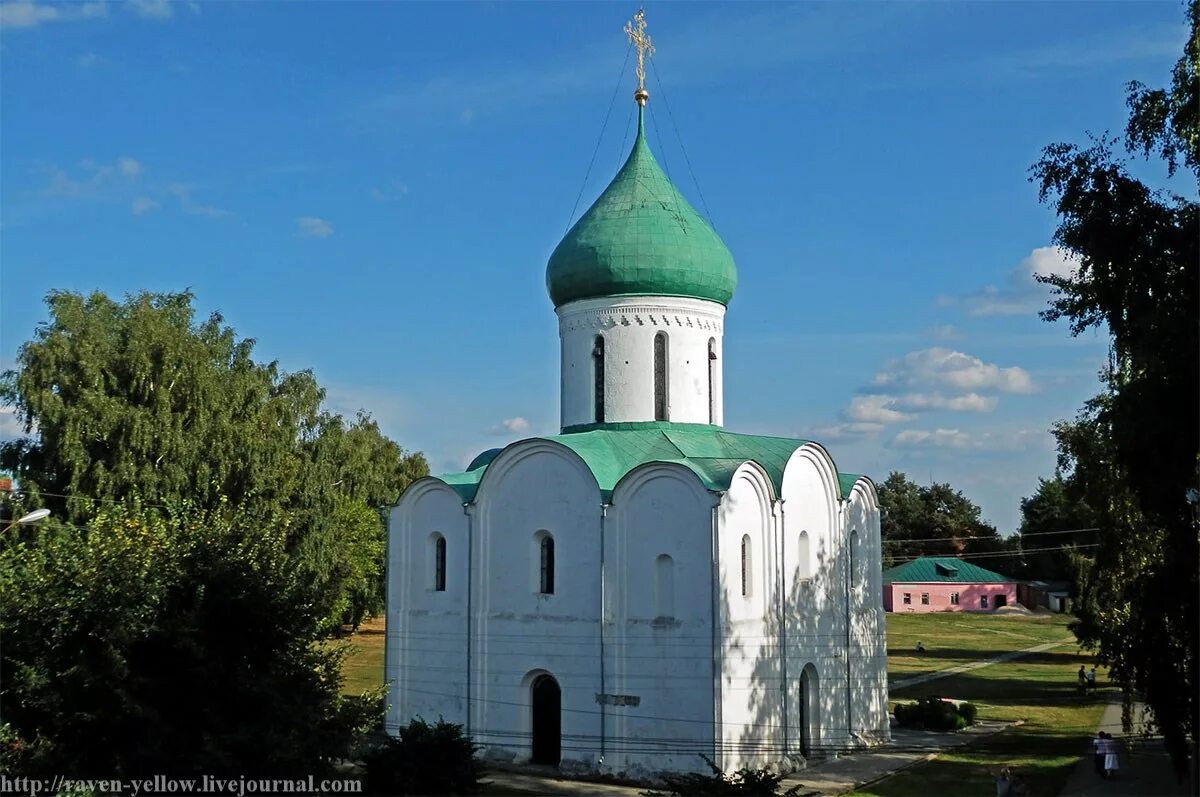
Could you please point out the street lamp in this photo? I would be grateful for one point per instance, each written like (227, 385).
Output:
(29, 518)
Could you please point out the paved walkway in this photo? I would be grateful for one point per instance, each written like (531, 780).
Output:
(908, 747)
(975, 665)
(1145, 767)
(532, 784)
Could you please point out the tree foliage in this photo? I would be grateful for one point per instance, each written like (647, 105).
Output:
(139, 398)
(1132, 452)
(167, 643)
(1050, 510)
(936, 520)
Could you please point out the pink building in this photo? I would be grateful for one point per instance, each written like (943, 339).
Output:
(945, 584)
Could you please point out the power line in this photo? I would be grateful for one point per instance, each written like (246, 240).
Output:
(679, 138)
(999, 554)
(600, 138)
(887, 541)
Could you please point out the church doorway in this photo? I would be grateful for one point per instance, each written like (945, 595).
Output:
(546, 700)
(1001, 600)
(810, 729)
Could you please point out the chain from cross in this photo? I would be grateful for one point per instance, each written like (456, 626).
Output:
(635, 29)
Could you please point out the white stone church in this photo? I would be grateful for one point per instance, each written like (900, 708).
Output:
(644, 586)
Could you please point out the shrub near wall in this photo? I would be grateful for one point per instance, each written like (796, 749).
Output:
(935, 714)
(426, 759)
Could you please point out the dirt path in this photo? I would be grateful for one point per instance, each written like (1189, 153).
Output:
(916, 680)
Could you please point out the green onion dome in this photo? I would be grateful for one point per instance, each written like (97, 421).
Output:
(641, 237)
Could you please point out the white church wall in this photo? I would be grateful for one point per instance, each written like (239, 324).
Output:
(752, 722)
(426, 636)
(658, 619)
(869, 632)
(534, 487)
(629, 325)
(814, 604)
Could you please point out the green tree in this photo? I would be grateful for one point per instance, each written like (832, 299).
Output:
(933, 521)
(138, 398)
(167, 643)
(1132, 452)
(1052, 509)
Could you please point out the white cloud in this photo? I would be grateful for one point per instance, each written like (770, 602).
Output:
(143, 205)
(23, 14)
(183, 193)
(874, 409)
(313, 227)
(842, 431)
(957, 440)
(10, 425)
(386, 193)
(128, 166)
(90, 60)
(945, 369)
(1021, 294)
(466, 115)
(516, 425)
(150, 9)
(94, 178)
(969, 402)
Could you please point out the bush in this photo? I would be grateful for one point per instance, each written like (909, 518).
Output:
(426, 759)
(933, 713)
(744, 783)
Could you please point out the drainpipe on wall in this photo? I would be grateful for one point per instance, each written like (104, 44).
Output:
(783, 602)
(849, 575)
(716, 637)
(387, 604)
(603, 592)
(470, 590)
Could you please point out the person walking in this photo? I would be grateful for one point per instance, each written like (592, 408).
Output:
(1091, 680)
(1082, 680)
(1112, 761)
(1098, 753)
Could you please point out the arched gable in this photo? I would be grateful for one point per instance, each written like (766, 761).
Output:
(520, 452)
(810, 504)
(642, 476)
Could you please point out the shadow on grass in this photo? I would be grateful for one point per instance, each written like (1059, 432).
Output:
(1043, 657)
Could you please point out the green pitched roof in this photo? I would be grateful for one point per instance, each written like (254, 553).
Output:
(846, 482)
(613, 450)
(936, 569)
(641, 237)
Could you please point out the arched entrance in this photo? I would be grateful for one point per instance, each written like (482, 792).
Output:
(810, 728)
(546, 702)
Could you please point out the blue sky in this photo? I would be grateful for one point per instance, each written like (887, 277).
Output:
(371, 190)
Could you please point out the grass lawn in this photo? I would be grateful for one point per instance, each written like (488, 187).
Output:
(1039, 689)
(363, 667)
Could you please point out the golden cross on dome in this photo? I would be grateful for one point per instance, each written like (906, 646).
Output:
(635, 29)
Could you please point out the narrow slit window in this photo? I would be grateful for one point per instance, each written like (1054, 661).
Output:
(598, 378)
(546, 586)
(660, 376)
(439, 564)
(712, 380)
(747, 565)
(665, 583)
(804, 556)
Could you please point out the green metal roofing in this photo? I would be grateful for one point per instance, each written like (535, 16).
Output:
(641, 237)
(613, 450)
(937, 569)
(846, 482)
